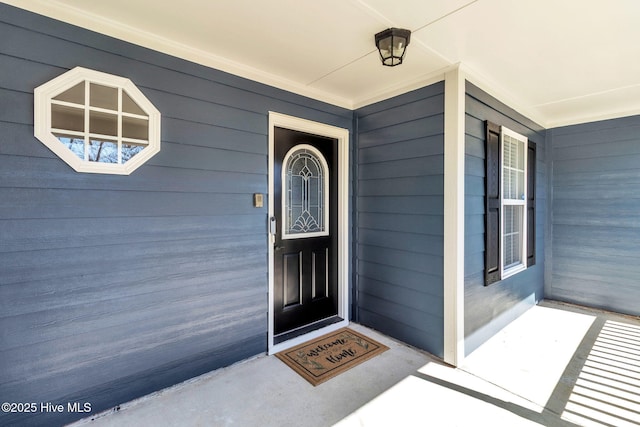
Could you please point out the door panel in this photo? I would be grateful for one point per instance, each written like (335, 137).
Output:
(320, 268)
(292, 280)
(305, 248)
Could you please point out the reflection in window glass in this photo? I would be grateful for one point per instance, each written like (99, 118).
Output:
(96, 122)
(130, 106)
(130, 150)
(103, 151)
(103, 96)
(74, 95)
(76, 145)
(135, 128)
(67, 118)
(103, 123)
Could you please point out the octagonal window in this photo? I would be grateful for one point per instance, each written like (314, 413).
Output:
(96, 122)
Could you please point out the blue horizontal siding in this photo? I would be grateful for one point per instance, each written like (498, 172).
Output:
(420, 224)
(596, 226)
(112, 287)
(400, 205)
(489, 308)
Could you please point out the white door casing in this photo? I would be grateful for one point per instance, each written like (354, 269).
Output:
(342, 136)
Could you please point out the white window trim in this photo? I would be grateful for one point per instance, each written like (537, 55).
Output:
(43, 99)
(510, 271)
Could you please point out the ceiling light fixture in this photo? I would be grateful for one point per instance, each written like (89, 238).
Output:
(392, 44)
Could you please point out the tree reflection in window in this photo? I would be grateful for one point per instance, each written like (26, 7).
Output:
(96, 122)
(76, 145)
(101, 151)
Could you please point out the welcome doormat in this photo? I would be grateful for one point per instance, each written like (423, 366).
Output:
(330, 355)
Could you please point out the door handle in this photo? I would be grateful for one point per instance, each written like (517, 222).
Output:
(272, 225)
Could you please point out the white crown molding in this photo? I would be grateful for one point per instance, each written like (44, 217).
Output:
(403, 87)
(62, 12)
(502, 95)
(546, 120)
(593, 118)
(600, 99)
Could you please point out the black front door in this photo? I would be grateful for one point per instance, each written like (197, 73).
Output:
(305, 247)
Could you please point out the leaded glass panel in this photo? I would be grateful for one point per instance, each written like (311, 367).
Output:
(304, 181)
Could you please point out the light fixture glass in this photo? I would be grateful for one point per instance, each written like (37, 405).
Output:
(392, 44)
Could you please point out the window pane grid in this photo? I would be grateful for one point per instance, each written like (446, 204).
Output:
(513, 200)
(94, 113)
(96, 122)
(512, 233)
(513, 169)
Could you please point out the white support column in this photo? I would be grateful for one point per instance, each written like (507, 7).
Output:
(454, 147)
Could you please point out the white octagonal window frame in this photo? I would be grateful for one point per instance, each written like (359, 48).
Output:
(117, 123)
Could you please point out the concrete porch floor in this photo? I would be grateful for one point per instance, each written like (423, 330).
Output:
(556, 365)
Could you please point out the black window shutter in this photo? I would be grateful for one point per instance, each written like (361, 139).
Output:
(492, 235)
(531, 204)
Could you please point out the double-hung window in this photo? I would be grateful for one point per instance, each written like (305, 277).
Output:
(509, 203)
(514, 200)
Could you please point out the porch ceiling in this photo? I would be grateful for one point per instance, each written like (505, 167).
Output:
(559, 62)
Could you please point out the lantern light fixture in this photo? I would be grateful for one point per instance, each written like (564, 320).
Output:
(392, 44)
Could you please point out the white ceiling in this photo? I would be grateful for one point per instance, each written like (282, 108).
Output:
(557, 61)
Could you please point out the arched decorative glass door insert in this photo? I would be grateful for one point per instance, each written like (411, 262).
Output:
(305, 201)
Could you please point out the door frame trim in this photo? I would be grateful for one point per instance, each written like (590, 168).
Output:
(342, 135)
